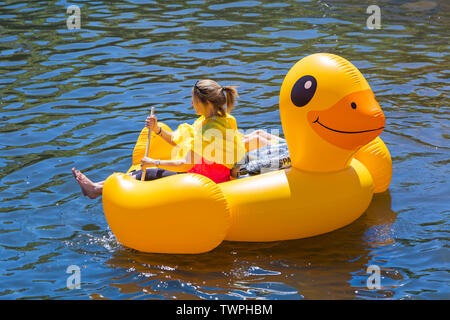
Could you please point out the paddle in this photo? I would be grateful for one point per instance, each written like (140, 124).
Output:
(148, 144)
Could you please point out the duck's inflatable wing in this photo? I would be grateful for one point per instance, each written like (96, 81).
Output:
(376, 158)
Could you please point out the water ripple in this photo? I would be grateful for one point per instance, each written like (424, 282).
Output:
(79, 98)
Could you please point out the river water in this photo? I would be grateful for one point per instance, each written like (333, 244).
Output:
(79, 97)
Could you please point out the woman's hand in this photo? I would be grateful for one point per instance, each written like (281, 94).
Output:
(152, 123)
(147, 162)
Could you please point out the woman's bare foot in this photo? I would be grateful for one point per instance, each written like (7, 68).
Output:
(90, 189)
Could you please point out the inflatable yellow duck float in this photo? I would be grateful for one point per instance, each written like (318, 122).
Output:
(331, 122)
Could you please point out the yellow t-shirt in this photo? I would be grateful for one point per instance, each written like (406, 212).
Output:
(216, 139)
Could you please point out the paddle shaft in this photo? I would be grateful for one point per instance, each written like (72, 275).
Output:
(149, 136)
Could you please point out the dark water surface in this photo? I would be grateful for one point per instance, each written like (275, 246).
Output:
(79, 97)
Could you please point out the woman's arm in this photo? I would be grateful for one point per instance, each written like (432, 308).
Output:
(152, 123)
(183, 165)
(166, 135)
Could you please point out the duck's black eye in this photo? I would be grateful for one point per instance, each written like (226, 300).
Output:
(303, 90)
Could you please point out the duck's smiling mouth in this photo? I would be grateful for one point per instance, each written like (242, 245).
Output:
(341, 131)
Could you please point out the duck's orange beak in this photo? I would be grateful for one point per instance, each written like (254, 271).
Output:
(352, 122)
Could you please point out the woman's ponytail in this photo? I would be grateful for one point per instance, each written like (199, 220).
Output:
(230, 94)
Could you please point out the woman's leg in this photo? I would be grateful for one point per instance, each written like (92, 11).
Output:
(152, 174)
(258, 139)
(94, 189)
(264, 134)
(253, 142)
(90, 189)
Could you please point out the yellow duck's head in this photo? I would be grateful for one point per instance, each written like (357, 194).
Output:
(328, 112)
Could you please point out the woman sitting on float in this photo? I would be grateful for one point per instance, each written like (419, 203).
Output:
(217, 158)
